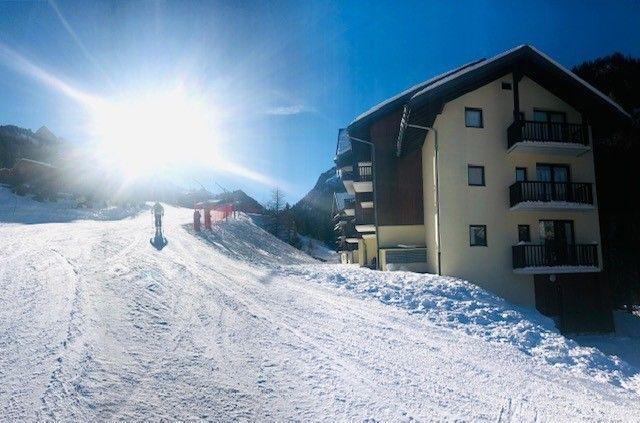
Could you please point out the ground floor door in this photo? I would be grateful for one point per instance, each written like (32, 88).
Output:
(579, 302)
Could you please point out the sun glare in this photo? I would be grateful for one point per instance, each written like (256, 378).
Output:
(147, 134)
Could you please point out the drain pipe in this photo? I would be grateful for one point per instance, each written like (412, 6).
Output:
(375, 196)
(435, 149)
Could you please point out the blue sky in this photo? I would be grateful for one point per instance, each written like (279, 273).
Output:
(282, 76)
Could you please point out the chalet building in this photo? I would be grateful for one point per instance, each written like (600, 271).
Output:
(485, 173)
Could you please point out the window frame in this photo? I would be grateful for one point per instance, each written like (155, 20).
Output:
(473, 109)
(526, 174)
(484, 227)
(484, 180)
(506, 85)
(528, 233)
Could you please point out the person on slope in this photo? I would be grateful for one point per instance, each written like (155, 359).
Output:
(158, 212)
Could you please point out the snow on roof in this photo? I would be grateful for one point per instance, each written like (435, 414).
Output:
(482, 63)
(463, 71)
(341, 197)
(35, 162)
(437, 81)
(582, 81)
(410, 90)
(344, 143)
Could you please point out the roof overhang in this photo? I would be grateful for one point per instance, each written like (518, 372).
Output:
(421, 110)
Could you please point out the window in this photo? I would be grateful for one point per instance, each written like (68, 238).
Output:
(521, 174)
(476, 175)
(478, 235)
(524, 233)
(506, 86)
(473, 117)
(549, 116)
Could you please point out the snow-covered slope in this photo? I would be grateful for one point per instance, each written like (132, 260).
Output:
(95, 324)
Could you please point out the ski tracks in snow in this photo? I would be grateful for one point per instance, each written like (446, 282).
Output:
(98, 325)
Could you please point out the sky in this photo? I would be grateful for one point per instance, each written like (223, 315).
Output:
(277, 78)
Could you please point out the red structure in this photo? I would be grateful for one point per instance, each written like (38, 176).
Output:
(213, 212)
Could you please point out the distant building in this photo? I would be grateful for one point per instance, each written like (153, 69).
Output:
(485, 173)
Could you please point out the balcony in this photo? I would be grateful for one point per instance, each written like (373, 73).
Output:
(530, 195)
(347, 177)
(350, 207)
(365, 221)
(364, 180)
(550, 258)
(526, 136)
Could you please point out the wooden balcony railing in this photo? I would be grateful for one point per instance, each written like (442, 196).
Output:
(570, 192)
(345, 175)
(527, 130)
(365, 173)
(365, 217)
(548, 255)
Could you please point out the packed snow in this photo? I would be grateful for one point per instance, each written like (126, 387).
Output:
(233, 324)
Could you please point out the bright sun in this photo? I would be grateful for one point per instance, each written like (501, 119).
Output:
(146, 134)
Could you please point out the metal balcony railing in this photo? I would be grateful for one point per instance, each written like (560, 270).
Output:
(571, 192)
(548, 255)
(527, 130)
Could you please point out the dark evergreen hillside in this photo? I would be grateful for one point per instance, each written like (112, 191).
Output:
(21, 143)
(313, 212)
(616, 157)
(617, 76)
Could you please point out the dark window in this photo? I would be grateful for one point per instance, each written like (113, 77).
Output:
(506, 86)
(473, 117)
(524, 233)
(478, 235)
(521, 174)
(549, 116)
(476, 175)
(547, 172)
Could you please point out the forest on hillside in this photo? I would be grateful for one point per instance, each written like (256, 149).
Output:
(616, 155)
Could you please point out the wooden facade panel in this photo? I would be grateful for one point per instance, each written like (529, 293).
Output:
(398, 179)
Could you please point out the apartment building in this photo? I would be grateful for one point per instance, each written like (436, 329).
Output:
(486, 173)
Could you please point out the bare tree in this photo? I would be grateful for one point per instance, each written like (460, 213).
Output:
(277, 201)
(275, 206)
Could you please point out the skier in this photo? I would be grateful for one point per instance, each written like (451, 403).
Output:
(158, 212)
(158, 241)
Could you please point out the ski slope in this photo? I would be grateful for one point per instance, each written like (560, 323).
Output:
(95, 324)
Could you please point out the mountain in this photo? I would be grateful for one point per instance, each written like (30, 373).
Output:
(313, 212)
(242, 200)
(22, 143)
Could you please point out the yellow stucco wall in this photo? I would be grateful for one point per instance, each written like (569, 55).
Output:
(391, 236)
(462, 205)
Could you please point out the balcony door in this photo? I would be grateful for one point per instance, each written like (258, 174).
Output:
(557, 237)
(555, 181)
(552, 131)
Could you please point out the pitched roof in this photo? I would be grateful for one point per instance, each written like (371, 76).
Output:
(402, 97)
(454, 83)
(523, 50)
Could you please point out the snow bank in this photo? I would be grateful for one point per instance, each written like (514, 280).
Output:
(462, 306)
(445, 301)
